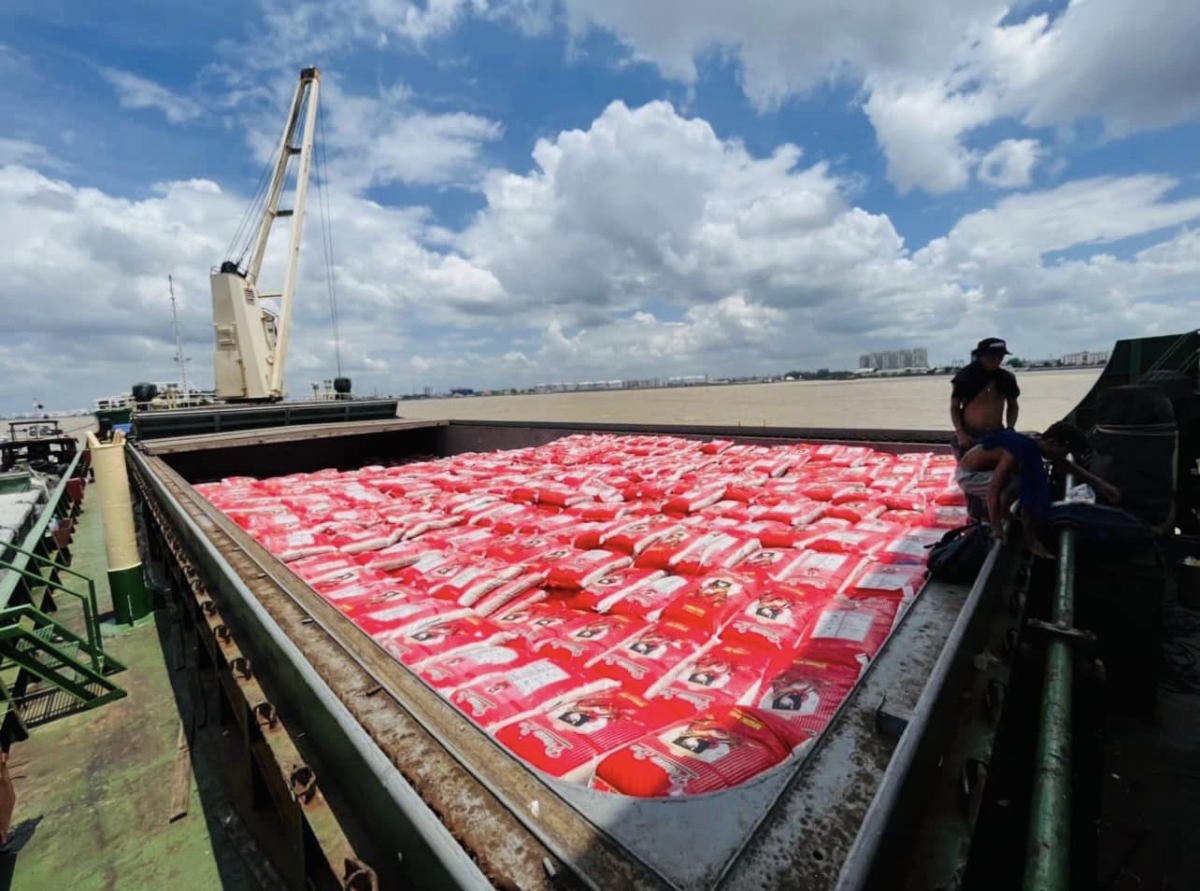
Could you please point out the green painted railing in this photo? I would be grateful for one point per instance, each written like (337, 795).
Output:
(8, 584)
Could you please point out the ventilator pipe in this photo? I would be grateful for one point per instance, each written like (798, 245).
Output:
(132, 600)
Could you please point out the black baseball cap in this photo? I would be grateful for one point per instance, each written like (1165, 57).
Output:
(992, 345)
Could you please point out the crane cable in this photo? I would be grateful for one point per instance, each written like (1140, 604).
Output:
(252, 211)
(327, 235)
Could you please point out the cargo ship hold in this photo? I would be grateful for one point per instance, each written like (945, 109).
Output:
(234, 726)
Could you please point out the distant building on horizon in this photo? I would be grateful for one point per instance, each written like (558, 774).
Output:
(1086, 357)
(895, 360)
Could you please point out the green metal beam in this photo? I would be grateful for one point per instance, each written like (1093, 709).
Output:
(1048, 860)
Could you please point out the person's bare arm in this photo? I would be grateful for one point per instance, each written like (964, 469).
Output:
(1004, 469)
(956, 418)
(1012, 409)
(1107, 491)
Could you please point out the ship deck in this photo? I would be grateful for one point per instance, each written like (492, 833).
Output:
(99, 792)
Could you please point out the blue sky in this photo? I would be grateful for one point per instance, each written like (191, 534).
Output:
(539, 190)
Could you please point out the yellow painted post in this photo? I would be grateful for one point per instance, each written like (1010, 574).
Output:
(131, 598)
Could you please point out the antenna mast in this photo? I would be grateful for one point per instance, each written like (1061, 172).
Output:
(179, 356)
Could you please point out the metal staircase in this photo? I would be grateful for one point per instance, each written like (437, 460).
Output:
(46, 669)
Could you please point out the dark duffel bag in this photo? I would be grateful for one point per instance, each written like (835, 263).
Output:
(959, 556)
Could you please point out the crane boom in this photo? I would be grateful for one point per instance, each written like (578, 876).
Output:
(251, 341)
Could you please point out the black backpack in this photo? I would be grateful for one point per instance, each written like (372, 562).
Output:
(959, 556)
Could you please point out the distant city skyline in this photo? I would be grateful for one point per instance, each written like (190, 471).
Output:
(895, 360)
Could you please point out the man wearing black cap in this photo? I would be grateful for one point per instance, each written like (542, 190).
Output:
(984, 396)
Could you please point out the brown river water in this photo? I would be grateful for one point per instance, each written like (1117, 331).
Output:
(920, 403)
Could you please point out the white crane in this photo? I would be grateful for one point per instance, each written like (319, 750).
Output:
(252, 340)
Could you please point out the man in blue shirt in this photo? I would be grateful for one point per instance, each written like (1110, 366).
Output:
(1007, 466)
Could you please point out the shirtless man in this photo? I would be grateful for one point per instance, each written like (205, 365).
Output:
(983, 394)
(1008, 467)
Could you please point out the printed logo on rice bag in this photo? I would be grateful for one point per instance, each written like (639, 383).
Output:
(727, 675)
(584, 567)
(447, 673)
(802, 696)
(601, 594)
(644, 659)
(647, 601)
(712, 551)
(567, 741)
(495, 700)
(718, 749)
(588, 641)
(711, 602)
(442, 636)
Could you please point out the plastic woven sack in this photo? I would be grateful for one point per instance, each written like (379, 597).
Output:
(502, 698)
(802, 695)
(717, 749)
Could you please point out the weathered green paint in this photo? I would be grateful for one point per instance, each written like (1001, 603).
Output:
(132, 601)
(96, 786)
(1048, 857)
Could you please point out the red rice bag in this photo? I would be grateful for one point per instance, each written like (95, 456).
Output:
(906, 501)
(821, 491)
(570, 739)
(776, 620)
(850, 631)
(296, 543)
(851, 493)
(502, 698)
(886, 580)
(504, 517)
(536, 553)
(911, 546)
(584, 643)
(880, 527)
(633, 538)
(601, 594)
(795, 512)
(394, 616)
(261, 521)
(903, 517)
(350, 538)
(324, 567)
(447, 673)
(856, 511)
(466, 584)
(695, 499)
(729, 674)
(709, 603)
(952, 496)
(353, 583)
(762, 565)
(584, 567)
(801, 697)
(359, 516)
(441, 637)
(717, 749)
(940, 517)
(816, 571)
(641, 661)
(648, 600)
(534, 621)
(848, 541)
(712, 551)
(508, 594)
